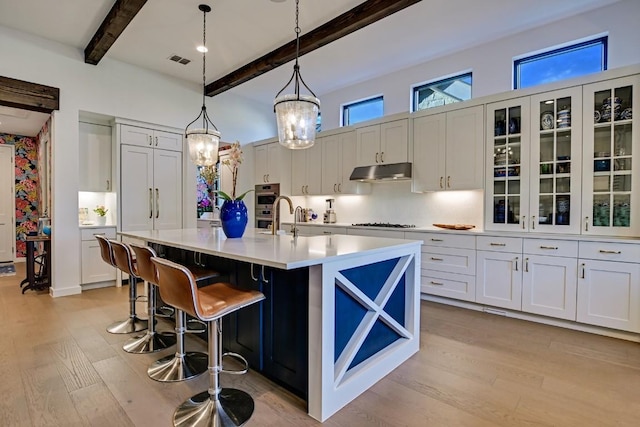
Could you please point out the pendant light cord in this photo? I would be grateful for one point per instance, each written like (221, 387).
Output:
(204, 58)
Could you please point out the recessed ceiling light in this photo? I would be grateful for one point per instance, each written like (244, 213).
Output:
(202, 49)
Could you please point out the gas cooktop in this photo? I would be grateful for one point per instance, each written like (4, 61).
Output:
(384, 224)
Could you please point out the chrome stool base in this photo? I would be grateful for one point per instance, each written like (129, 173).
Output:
(233, 408)
(132, 324)
(150, 342)
(179, 368)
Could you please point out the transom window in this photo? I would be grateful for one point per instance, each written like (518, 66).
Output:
(442, 92)
(563, 63)
(361, 111)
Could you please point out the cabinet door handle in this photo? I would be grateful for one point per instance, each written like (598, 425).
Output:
(254, 278)
(436, 259)
(497, 244)
(306, 189)
(533, 222)
(554, 248)
(339, 188)
(156, 141)
(516, 260)
(108, 185)
(376, 157)
(586, 223)
(99, 234)
(264, 278)
(437, 283)
(449, 181)
(150, 203)
(441, 178)
(150, 140)
(603, 251)
(582, 275)
(436, 240)
(327, 232)
(382, 157)
(526, 265)
(268, 177)
(523, 222)
(157, 203)
(334, 188)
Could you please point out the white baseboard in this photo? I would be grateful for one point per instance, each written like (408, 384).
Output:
(98, 285)
(63, 292)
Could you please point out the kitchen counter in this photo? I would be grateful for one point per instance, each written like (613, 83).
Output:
(362, 306)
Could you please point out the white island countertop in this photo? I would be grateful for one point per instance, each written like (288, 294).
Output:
(283, 251)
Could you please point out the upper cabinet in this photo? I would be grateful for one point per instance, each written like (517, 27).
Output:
(611, 184)
(270, 160)
(95, 157)
(306, 171)
(134, 135)
(383, 143)
(339, 158)
(448, 150)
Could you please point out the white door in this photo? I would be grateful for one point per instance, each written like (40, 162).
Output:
(499, 279)
(368, 142)
(167, 190)
(465, 149)
(7, 204)
(261, 160)
(95, 157)
(394, 141)
(429, 156)
(549, 286)
(137, 198)
(331, 172)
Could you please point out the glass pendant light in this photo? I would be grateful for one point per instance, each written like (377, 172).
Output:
(203, 141)
(296, 114)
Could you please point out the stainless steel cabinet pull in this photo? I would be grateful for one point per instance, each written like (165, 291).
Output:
(533, 222)
(449, 181)
(602, 251)
(497, 244)
(150, 203)
(582, 275)
(255, 279)
(306, 189)
(376, 157)
(436, 240)
(268, 177)
(157, 203)
(523, 223)
(586, 223)
(334, 188)
(99, 234)
(108, 185)
(150, 140)
(517, 258)
(437, 283)
(526, 265)
(382, 157)
(264, 278)
(436, 259)
(327, 232)
(339, 188)
(441, 178)
(555, 248)
(156, 141)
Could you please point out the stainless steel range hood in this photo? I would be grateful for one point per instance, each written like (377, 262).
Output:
(384, 172)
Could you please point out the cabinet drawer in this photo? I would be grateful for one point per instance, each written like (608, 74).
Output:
(376, 233)
(456, 286)
(90, 233)
(623, 252)
(452, 260)
(499, 244)
(444, 239)
(563, 248)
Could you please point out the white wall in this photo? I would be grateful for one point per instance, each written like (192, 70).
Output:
(114, 89)
(491, 63)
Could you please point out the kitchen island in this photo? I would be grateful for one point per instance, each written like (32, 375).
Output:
(362, 301)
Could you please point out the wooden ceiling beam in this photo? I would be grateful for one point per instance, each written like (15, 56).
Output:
(28, 96)
(359, 17)
(120, 15)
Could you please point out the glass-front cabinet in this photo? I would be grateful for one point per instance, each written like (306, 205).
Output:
(507, 165)
(611, 183)
(556, 150)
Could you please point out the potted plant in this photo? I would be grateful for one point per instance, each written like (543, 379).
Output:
(233, 213)
(102, 214)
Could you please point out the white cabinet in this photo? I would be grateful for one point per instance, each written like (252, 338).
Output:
(448, 150)
(272, 162)
(339, 158)
(383, 143)
(448, 266)
(318, 230)
(609, 285)
(151, 188)
(93, 268)
(147, 137)
(611, 174)
(550, 276)
(499, 275)
(95, 157)
(306, 171)
(373, 232)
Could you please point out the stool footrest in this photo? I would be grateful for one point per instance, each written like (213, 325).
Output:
(239, 358)
(195, 330)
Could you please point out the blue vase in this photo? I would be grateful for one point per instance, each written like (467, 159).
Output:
(234, 217)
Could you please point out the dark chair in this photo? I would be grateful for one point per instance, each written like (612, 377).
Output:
(217, 406)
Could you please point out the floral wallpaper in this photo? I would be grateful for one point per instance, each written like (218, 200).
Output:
(27, 182)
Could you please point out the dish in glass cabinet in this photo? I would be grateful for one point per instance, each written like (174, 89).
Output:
(546, 120)
(596, 116)
(626, 114)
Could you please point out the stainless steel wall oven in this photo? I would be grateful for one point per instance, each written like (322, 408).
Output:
(265, 196)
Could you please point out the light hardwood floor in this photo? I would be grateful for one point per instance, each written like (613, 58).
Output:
(59, 367)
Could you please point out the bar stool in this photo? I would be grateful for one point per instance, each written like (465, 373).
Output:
(133, 323)
(123, 260)
(182, 365)
(217, 406)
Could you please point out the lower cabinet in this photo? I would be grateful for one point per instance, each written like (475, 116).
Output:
(272, 335)
(499, 275)
(93, 268)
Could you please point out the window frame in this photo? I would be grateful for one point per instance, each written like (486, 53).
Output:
(344, 108)
(419, 86)
(602, 40)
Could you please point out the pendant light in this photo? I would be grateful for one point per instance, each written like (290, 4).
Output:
(203, 141)
(296, 114)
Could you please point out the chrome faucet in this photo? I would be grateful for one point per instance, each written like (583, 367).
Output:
(296, 217)
(275, 221)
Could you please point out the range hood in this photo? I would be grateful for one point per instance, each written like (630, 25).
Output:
(383, 172)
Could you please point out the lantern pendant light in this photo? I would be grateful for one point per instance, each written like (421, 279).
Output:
(296, 114)
(203, 141)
